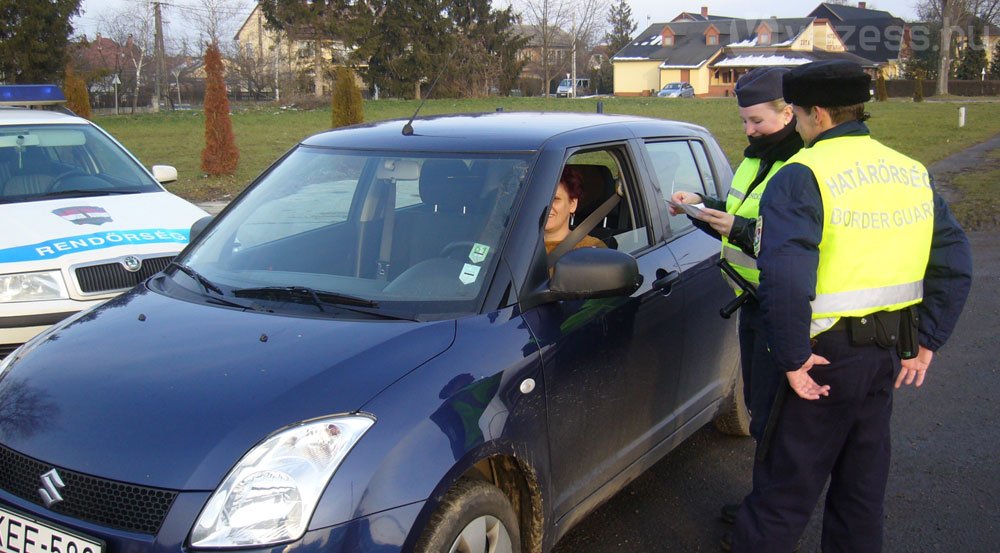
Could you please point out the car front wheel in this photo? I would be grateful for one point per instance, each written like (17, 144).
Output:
(474, 516)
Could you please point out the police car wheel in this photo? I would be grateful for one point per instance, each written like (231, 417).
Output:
(734, 417)
(474, 516)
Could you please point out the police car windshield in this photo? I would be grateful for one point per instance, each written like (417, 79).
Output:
(39, 162)
(403, 232)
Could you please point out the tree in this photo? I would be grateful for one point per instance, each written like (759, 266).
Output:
(486, 50)
(215, 20)
(75, 90)
(220, 156)
(618, 37)
(548, 18)
(973, 57)
(881, 94)
(33, 39)
(348, 108)
(316, 21)
(994, 71)
(132, 26)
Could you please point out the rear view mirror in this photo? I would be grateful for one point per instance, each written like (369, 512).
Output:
(199, 227)
(587, 273)
(164, 173)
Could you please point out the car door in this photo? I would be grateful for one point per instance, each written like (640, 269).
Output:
(612, 366)
(683, 165)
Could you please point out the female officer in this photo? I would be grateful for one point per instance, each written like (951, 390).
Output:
(770, 129)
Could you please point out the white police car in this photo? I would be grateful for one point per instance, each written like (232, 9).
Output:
(81, 220)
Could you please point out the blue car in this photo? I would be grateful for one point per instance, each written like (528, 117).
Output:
(369, 350)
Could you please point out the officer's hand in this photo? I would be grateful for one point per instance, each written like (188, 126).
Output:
(720, 221)
(915, 368)
(803, 384)
(683, 198)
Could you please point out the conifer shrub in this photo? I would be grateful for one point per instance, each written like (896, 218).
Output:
(918, 89)
(348, 108)
(881, 93)
(220, 156)
(75, 90)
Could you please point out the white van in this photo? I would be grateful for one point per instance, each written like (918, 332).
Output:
(565, 88)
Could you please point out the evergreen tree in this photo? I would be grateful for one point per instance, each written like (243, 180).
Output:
(220, 156)
(486, 48)
(619, 36)
(973, 60)
(34, 36)
(923, 59)
(75, 90)
(994, 71)
(881, 93)
(348, 107)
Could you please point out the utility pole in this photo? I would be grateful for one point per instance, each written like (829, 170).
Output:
(573, 58)
(160, 66)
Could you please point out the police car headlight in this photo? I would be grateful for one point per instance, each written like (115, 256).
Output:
(270, 495)
(46, 285)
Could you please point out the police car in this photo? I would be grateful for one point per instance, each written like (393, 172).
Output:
(81, 220)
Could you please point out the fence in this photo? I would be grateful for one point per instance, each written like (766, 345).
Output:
(903, 88)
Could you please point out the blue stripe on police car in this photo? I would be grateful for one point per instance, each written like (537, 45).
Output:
(58, 247)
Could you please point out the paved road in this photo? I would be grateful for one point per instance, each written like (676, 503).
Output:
(944, 486)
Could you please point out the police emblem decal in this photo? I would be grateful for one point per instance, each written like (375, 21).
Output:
(51, 483)
(132, 264)
(756, 236)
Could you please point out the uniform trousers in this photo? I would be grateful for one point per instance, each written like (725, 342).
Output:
(843, 437)
(761, 377)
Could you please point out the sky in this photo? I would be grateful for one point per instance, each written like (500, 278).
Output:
(644, 12)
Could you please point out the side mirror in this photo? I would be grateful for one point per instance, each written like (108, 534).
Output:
(199, 227)
(164, 173)
(587, 273)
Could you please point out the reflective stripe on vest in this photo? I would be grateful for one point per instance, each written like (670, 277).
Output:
(878, 219)
(738, 203)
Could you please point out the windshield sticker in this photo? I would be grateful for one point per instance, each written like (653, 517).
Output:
(469, 273)
(478, 253)
(51, 249)
(84, 214)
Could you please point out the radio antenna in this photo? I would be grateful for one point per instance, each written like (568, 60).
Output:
(408, 127)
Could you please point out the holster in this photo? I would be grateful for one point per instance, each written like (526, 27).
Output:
(887, 329)
(909, 337)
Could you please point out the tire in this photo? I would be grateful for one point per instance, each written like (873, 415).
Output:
(734, 417)
(474, 516)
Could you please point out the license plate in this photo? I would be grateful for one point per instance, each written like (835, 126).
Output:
(23, 534)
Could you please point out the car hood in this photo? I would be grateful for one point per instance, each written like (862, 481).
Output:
(56, 229)
(161, 392)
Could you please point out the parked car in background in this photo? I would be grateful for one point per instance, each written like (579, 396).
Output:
(80, 219)
(676, 90)
(371, 351)
(565, 88)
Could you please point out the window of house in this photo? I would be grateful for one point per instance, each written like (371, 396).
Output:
(764, 38)
(668, 41)
(712, 39)
(677, 169)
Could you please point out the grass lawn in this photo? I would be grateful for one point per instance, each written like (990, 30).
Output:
(927, 131)
(978, 207)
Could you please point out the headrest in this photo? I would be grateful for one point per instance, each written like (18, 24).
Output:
(598, 185)
(446, 184)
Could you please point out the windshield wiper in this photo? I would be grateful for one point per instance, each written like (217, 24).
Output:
(316, 297)
(84, 192)
(208, 285)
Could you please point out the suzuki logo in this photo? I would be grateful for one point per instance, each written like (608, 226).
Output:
(51, 482)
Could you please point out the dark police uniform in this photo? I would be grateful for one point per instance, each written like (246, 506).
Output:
(843, 436)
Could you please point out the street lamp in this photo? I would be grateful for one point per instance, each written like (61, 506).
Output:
(116, 81)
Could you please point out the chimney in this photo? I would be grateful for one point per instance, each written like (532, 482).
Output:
(863, 5)
(704, 11)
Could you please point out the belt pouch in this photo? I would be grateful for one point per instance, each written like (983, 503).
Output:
(909, 340)
(861, 330)
(886, 328)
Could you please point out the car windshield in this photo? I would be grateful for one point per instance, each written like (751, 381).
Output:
(39, 162)
(389, 231)
(672, 86)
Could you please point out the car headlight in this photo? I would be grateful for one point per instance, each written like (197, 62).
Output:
(270, 495)
(46, 285)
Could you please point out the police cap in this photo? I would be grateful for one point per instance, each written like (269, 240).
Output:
(759, 85)
(829, 83)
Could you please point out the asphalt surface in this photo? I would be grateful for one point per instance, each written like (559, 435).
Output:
(944, 483)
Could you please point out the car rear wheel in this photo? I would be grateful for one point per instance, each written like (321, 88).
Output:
(734, 417)
(474, 516)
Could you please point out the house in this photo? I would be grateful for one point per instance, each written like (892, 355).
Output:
(703, 16)
(560, 53)
(877, 36)
(288, 57)
(712, 54)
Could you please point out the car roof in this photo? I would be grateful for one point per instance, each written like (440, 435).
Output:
(482, 132)
(24, 116)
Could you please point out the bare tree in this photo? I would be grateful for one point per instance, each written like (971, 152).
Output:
(950, 13)
(548, 20)
(132, 27)
(215, 20)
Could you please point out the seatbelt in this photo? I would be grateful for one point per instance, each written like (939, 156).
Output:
(588, 224)
(388, 221)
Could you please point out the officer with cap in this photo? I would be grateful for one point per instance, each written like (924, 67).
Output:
(854, 239)
(770, 130)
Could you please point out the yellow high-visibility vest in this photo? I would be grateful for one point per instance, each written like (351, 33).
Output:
(878, 219)
(738, 203)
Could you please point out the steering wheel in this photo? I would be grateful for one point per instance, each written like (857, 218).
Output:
(456, 246)
(57, 182)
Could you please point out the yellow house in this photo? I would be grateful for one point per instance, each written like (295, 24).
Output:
(291, 58)
(711, 53)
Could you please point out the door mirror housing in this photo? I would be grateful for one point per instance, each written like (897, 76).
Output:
(199, 227)
(588, 273)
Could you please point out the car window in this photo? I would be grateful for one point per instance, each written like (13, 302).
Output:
(676, 170)
(40, 161)
(411, 232)
(625, 228)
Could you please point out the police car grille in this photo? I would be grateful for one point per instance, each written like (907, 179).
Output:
(105, 502)
(113, 276)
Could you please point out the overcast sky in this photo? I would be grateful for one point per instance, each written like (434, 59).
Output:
(643, 11)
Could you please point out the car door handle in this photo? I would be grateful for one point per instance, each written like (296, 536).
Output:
(665, 280)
